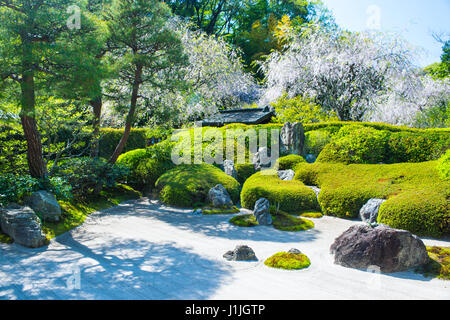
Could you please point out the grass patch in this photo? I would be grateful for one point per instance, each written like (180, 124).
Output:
(213, 211)
(439, 265)
(244, 221)
(288, 261)
(75, 212)
(312, 215)
(286, 222)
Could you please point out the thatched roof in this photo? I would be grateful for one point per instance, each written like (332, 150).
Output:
(245, 116)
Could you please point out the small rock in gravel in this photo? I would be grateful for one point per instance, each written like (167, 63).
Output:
(241, 253)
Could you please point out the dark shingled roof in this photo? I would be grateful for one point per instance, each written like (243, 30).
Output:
(245, 116)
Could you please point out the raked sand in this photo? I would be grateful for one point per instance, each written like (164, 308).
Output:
(144, 250)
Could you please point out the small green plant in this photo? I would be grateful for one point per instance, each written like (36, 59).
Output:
(288, 261)
(244, 221)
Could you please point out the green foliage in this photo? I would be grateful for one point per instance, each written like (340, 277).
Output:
(188, 185)
(244, 221)
(356, 144)
(417, 200)
(288, 261)
(300, 109)
(368, 145)
(289, 162)
(292, 196)
(316, 141)
(439, 265)
(13, 150)
(13, 189)
(444, 166)
(244, 171)
(286, 222)
(147, 165)
(109, 139)
(88, 176)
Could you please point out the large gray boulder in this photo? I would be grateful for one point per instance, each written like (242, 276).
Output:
(241, 253)
(23, 226)
(262, 212)
(261, 159)
(369, 212)
(219, 197)
(229, 168)
(292, 138)
(286, 175)
(45, 204)
(391, 250)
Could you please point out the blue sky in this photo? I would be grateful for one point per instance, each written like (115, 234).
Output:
(414, 20)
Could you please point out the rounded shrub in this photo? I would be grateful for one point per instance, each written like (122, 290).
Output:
(316, 141)
(288, 261)
(444, 166)
(356, 144)
(189, 185)
(244, 171)
(289, 162)
(292, 196)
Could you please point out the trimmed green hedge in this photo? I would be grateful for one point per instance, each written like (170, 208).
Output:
(289, 162)
(417, 200)
(189, 185)
(244, 171)
(110, 138)
(444, 166)
(292, 196)
(367, 145)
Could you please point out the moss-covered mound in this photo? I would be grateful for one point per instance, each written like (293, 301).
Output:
(286, 222)
(312, 215)
(288, 261)
(439, 265)
(289, 162)
(291, 196)
(213, 211)
(189, 185)
(245, 221)
(417, 199)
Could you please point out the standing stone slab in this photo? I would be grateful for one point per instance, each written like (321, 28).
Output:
(261, 159)
(23, 226)
(229, 168)
(219, 197)
(391, 250)
(369, 212)
(262, 212)
(45, 204)
(292, 139)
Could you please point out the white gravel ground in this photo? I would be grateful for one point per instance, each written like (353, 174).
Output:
(143, 250)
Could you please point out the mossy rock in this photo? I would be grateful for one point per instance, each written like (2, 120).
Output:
(189, 185)
(288, 261)
(292, 196)
(244, 221)
(439, 265)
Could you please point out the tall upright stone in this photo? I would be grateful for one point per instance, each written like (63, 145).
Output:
(292, 138)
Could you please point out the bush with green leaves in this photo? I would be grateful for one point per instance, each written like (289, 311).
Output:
(289, 162)
(444, 166)
(89, 175)
(316, 141)
(244, 171)
(417, 199)
(291, 196)
(147, 165)
(13, 189)
(189, 185)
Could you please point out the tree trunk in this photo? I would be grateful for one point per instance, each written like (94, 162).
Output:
(130, 116)
(97, 110)
(36, 163)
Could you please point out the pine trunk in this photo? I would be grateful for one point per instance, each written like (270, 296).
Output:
(97, 110)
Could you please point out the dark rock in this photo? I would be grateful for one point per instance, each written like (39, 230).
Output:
(45, 204)
(241, 253)
(295, 251)
(229, 168)
(310, 158)
(23, 226)
(262, 212)
(391, 250)
(369, 212)
(219, 197)
(292, 139)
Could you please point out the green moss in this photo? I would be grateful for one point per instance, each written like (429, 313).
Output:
(417, 200)
(312, 215)
(245, 221)
(444, 166)
(439, 265)
(5, 238)
(286, 222)
(212, 211)
(288, 261)
(189, 185)
(76, 211)
(289, 162)
(291, 196)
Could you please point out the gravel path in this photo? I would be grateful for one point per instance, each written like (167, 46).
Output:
(144, 250)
